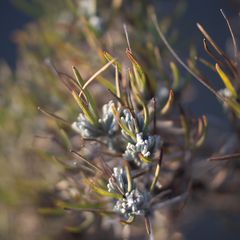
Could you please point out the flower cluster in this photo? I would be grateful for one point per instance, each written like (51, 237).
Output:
(106, 126)
(86, 128)
(108, 121)
(133, 202)
(143, 149)
(133, 125)
(130, 131)
(118, 181)
(139, 147)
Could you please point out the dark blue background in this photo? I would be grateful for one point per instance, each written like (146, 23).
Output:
(10, 19)
(203, 11)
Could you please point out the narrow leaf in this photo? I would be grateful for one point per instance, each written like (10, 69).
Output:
(168, 104)
(147, 225)
(94, 76)
(107, 84)
(86, 112)
(129, 220)
(202, 131)
(145, 111)
(157, 172)
(129, 176)
(109, 58)
(53, 116)
(176, 75)
(105, 193)
(226, 80)
(146, 160)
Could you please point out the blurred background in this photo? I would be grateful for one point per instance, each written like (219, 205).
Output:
(34, 32)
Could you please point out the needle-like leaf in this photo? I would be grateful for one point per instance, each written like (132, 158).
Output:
(226, 80)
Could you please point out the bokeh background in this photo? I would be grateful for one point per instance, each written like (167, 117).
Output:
(26, 180)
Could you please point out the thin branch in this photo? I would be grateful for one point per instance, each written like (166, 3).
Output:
(235, 47)
(218, 49)
(53, 116)
(154, 115)
(154, 18)
(210, 53)
(127, 38)
(86, 161)
(206, 63)
(225, 157)
(171, 201)
(96, 74)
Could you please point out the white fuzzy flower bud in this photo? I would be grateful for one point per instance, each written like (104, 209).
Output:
(134, 203)
(146, 147)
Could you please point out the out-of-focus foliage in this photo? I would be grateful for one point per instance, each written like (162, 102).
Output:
(35, 149)
(227, 69)
(223, 174)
